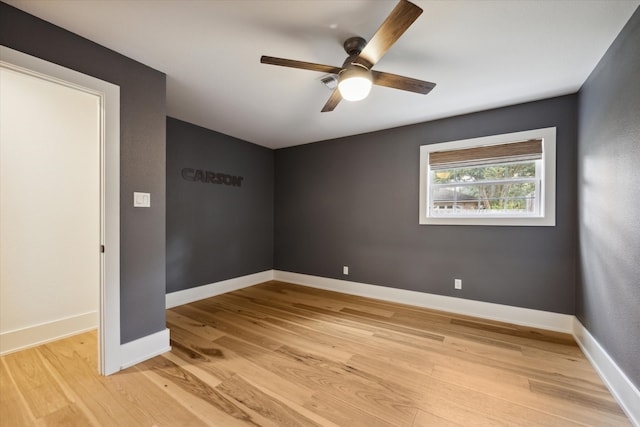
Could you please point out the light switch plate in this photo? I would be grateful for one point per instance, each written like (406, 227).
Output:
(141, 200)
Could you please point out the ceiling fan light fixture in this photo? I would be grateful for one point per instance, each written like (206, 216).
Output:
(355, 83)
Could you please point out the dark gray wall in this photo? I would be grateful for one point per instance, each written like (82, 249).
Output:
(354, 201)
(215, 231)
(608, 292)
(142, 158)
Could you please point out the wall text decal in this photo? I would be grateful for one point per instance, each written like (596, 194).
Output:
(208, 177)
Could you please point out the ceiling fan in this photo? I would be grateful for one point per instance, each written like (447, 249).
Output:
(355, 77)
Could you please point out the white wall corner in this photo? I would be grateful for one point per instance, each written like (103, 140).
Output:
(620, 386)
(144, 348)
(186, 296)
(502, 313)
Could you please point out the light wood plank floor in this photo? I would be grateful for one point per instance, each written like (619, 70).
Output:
(278, 354)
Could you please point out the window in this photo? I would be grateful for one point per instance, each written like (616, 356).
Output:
(497, 180)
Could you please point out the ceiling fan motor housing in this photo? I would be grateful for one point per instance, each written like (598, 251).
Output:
(354, 45)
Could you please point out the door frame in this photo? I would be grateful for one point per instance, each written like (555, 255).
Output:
(109, 99)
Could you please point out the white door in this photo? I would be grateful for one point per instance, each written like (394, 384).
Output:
(51, 209)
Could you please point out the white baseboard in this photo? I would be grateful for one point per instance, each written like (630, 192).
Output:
(618, 383)
(144, 348)
(186, 296)
(46, 332)
(503, 313)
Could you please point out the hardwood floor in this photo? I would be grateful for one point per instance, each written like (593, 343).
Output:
(278, 354)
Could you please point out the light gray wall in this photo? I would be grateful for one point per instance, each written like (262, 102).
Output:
(354, 201)
(216, 231)
(608, 292)
(142, 158)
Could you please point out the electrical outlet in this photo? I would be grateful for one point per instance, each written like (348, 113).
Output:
(345, 270)
(457, 283)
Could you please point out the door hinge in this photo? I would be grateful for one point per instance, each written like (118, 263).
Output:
(101, 248)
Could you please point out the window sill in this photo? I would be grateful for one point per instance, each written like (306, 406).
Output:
(508, 222)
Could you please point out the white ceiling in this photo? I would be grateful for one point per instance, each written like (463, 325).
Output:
(481, 54)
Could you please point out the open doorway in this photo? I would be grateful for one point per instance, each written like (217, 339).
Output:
(59, 206)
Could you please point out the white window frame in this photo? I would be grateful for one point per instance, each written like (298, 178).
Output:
(547, 212)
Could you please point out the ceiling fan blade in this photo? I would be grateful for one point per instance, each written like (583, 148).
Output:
(333, 101)
(300, 64)
(398, 21)
(400, 82)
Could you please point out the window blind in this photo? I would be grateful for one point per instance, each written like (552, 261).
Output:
(510, 152)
